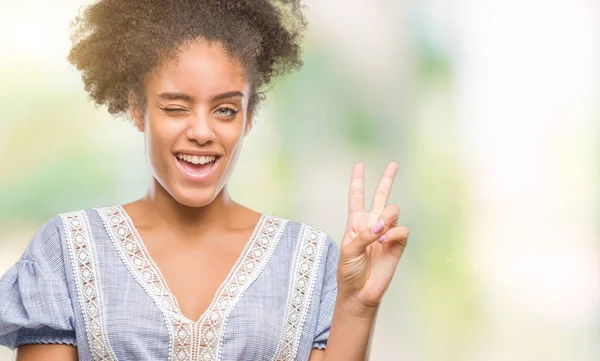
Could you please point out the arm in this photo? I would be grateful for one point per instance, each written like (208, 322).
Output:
(350, 335)
(351, 331)
(369, 253)
(36, 313)
(54, 352)
(316, 355)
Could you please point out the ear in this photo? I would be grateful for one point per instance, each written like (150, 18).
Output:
(135, 112)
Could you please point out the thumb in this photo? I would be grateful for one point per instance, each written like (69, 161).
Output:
(367, 236)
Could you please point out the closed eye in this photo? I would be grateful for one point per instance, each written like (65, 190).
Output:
(173, 110)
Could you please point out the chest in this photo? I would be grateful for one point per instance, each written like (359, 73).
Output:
(194, 269)
(140, 320)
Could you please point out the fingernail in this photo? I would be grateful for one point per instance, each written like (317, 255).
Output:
(381, 238)
(377, 227)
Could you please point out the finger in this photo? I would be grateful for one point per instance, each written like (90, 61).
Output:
(390, 215)
(396, 239)
(384, 188)
(356, 194)
(368, 235)
(396, 234)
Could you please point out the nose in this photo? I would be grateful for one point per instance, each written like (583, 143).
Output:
(199, 129)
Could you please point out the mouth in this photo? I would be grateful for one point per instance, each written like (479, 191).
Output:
(197, 168)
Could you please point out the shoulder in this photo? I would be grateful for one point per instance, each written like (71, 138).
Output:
(295, 228)
(35, 303)
(49, 239)
(45, 252)
(46, 243)
(309, 237)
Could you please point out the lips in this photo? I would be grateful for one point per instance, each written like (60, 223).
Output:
(197, 172)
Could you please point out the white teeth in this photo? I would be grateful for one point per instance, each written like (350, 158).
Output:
(196, 159)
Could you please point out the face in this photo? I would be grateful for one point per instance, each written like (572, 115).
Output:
(194, 122)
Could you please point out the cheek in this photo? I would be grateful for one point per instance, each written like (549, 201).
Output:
(159, 139)
(232, 138)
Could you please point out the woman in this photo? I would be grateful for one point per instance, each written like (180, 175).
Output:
(186, 273)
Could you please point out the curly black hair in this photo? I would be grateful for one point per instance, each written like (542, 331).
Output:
(118, 43)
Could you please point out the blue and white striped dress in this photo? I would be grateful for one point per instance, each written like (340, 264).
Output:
(86, 279)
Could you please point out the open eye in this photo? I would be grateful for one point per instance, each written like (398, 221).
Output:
(224, 111)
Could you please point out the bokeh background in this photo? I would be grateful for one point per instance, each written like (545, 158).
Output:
(491, 107)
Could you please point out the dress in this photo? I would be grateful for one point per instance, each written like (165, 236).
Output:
(86, 279)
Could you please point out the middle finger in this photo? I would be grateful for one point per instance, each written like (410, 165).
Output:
(384, 188)
(390, 215)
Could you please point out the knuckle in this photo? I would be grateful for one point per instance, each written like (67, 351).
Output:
(361, 237)
(377, 210)
(364, 235)
(405, 233)
(381, 192)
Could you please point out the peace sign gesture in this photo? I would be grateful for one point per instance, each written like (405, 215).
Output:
(372, 243)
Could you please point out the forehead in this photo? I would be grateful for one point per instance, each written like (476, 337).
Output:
(200, 69)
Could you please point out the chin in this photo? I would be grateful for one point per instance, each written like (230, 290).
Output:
(195, 198)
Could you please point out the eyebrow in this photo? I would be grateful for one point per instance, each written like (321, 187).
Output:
(230, 94)
(190, 99)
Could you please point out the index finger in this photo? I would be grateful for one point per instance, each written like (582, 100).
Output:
(382, 193)
(356, 194)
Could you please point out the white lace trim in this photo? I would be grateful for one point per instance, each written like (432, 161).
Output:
(253, 260)
(191, 340)
(144, 271)
(306, 264)
(87, 280)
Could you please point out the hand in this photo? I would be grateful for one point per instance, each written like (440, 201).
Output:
(366, 266)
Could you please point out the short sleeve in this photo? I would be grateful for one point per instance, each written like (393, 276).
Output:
(35, 307)
(328, 294)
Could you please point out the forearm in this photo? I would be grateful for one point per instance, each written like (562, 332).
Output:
(46, 352)
(350, 334)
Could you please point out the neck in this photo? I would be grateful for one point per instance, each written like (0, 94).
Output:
(160, 208)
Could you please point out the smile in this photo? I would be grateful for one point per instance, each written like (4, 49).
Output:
(196, 168)
(194, 159)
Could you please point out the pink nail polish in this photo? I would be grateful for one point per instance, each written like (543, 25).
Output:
(381, 238)
(377, 227)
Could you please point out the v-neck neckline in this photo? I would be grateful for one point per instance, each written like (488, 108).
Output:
(233, 272)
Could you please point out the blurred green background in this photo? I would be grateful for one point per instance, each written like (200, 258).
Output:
(490, 107)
